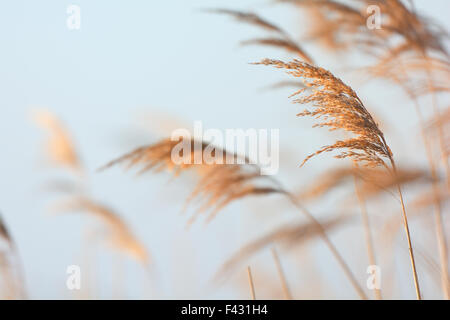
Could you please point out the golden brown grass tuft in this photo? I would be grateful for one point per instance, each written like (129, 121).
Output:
(338, 107)
(12, 281)
(60, 148)
(372, 181)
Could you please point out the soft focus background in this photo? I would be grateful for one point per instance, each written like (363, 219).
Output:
(132, 67)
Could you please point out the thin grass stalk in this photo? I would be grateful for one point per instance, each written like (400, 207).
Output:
(437, 206)
(281, 274)
(367, 232)
(340, 260)
(444, 154)
(250, 283)
(408, 235)
(440, 231)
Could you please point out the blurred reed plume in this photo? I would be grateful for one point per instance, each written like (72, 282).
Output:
(12, 282)
(339, 107)
(346, 23)
(409, 50)
(219, 184)
(288, 236)
(118, 235)
(279, 39)
(60, 149)
(373, 181)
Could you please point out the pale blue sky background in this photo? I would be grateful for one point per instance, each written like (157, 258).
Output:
(168, 57)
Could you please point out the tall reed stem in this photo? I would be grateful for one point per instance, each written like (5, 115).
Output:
(250, 283)
(367, 232)
(408, 236)
(330, 246)
(440, 232)
(442, 246)
(286, 290)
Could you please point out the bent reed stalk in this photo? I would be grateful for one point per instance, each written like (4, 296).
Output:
(286, 291)
(367, 231)
(337, 106)
(250, 283)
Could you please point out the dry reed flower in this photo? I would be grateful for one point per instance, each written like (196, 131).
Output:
(285, 44)
(406, 43)
(219, 183)
(441, 123)
(347, 23)
(119, 235)
(249, 18)
(373, 181)
(12, 284)
(338, 107)
(64, 186)
(286, 84)
(60, 148)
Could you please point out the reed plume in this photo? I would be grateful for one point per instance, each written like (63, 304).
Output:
(60, 148)
(115, 232)
(337, 106)
(346, 23)
(372, 181)
(118, 234)
(279, 38)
